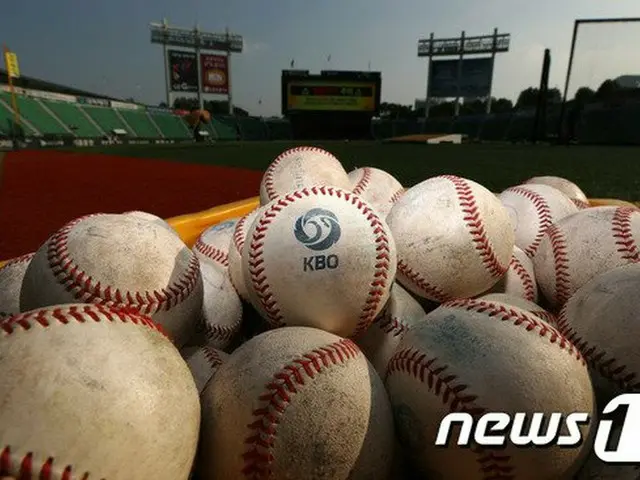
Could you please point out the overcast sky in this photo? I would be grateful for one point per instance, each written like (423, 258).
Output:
(105, 46)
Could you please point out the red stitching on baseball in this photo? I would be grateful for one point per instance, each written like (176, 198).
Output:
(212, 356)
(256, 251)
(544, 216)
(221, 332)
(278, 395)
(621, 228)
(268, 174)
(396, 196)
(472, 218)
(609, 367)
(418, 281)
(546, 316)
(86, 289)
(24, 468)
(21, 259)
(212, 252)
(239, 234)
(365, 179)
(391, 325)
(581, 204)
(525, 278)
(454, 395)
(560, 263)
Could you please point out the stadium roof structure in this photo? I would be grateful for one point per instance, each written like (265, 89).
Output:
(37, 84)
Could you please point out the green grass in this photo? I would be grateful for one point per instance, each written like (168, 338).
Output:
(599, 171)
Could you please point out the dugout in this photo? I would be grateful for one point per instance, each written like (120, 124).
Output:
(334, 105)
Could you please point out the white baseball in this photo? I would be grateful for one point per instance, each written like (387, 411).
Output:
(581, 246)
(567, 187)
(601, 319)
(150, 217)
(380, 340)
(118, 260)
(319, 257)
(532, 209)
(203, 362)
(377, 187)
(236, 249)
(521, 303)
(299, 168)
(520, 280)
(296, 403)
(93, 392)
(453, 238)
(11, 275)
(213, 244)
(476, 357)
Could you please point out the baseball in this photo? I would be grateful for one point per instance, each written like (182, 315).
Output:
(236, 249)
(203, 362)
(299, 168)
(581, 246)
(297, 403)
(377, 187)
(453, 238)
(532, 209)
(475, 356)
(567, 187)
(519, 280)
(93, 392)
(521, 303)
(601, 319)
(11, 275)
(319, 257)
(118, 260)
(150, 217)
(213, 244)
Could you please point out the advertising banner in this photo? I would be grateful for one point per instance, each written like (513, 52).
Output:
(183, 70)
(475, 78)
(331, 96)
(215, 76)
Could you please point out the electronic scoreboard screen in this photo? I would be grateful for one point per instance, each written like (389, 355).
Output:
(338, 92)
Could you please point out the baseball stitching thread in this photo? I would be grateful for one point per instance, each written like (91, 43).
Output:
(621, 227)
(608, 366)
(525, 279)
(391, 325)
(581, 204)
(396, 196)
(212, 252)
(278, 395)
(268, 174)
(212, 356)
(365, 179)
(421, 283)
(220, 332)
(543, 212)
(456, 396)
(21, 259)
(27, 471)
(86, 289)
(239, 234)
(560, 264)
(472, 218)
(546, 316)
(259, 279)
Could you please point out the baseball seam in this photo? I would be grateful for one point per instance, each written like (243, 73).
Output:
(560, 264)
(546, 316)
(544, 216)
(259, 280)
(456, 396)
(27, 470)
(85, 289)
(608, 366)
(21, 259)
(239, 234)
(475, 225)
(581, 204)
(221, 332)
(277, 396)
(621, 228)
(364, 180)
(525, 278)
(212, 356)
(418, 281)
(211, 252)
(391, 325)
(396, 196)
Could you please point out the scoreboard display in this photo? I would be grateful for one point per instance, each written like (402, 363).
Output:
(331, 92)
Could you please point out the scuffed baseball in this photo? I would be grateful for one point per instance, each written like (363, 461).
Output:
(380, 340)
(477, 357)
(120, 261)
(520, 280)
(532, 209)
(521, 303)
(453, 238)
(203, 362)
(213, 244)
(299, 403)
(236, 249)
(584, 245)
(319, 257)
(11, 275)
(150, 217)
(302, 167)
(567, 187)
(377, 187)
(85, 388)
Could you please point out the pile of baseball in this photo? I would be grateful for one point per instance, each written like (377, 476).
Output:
(324, 335)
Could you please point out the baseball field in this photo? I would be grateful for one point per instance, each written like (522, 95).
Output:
(42, 189)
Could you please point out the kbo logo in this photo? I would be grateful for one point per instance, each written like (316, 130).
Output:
(496, 429)
(318, 229)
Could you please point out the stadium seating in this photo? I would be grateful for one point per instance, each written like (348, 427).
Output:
(35, 114)
(74, 118)
(225, 126)
(106, 118)
(171, 126)
(140, 123)
(252, 128)
(7, 119)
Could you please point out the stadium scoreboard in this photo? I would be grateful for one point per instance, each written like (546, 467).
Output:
(331, 91)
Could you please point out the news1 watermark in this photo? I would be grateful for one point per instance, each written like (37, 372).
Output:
(496, 429)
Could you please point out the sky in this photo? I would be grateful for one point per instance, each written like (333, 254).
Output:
(105, 47)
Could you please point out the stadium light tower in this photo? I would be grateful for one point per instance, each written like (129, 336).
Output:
(191, 43)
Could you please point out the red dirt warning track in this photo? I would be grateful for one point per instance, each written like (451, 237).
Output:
(42, 190)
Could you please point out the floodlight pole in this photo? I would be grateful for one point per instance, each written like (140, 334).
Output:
(167, 73)
(493, 62)
(229, 96)
(456, 107)
(427, 98)
(563, 106)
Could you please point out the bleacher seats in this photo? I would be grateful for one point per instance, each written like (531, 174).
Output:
(73, 117)
(32, 111)
(7, 117)
(105, 117)
(252, 128)
(225, 126)
(140, 123)
(171, 126)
